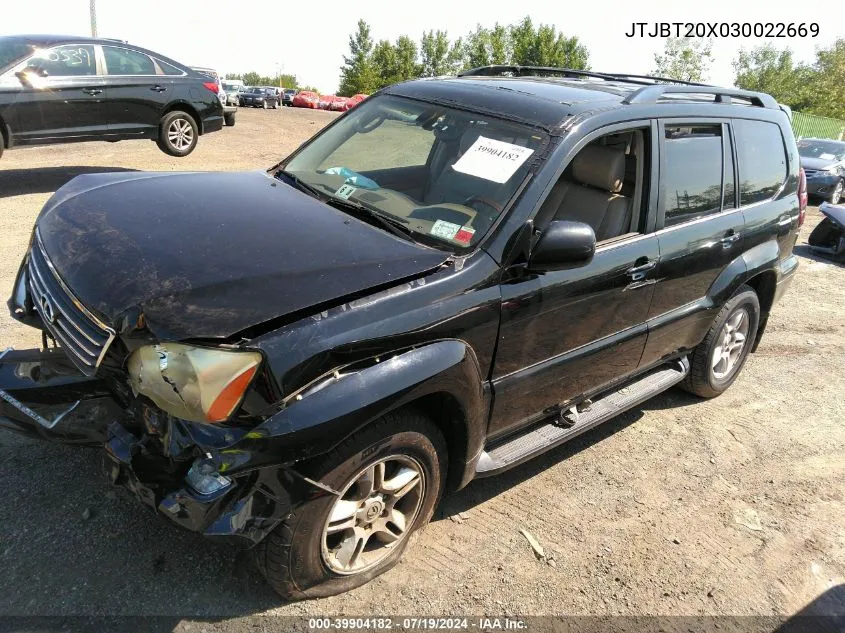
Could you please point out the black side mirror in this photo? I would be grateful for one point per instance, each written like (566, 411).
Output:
(30, 71)
(563, 244)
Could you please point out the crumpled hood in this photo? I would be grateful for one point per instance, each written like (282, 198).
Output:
(207, 255)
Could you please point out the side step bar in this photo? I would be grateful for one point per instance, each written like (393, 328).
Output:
(541, 438)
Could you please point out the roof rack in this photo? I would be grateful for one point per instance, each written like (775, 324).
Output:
(652, 94)
(653, 88)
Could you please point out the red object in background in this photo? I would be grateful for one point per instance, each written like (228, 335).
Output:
(802, 196)
(340, 104)
(306, 99)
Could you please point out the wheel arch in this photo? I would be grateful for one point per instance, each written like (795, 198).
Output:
(186, 107)
(5, 135)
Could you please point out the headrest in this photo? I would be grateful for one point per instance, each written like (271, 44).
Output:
(600, 167)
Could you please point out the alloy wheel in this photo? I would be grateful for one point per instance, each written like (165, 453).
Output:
(732, 341)
(180, 134)
(836, 196)
(373, 515)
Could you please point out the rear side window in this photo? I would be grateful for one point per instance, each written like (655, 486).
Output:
(762, 160)
(168, 69)
(122, 61)
(66, 61)
(692, 181)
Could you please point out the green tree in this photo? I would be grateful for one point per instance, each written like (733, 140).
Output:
(684, 59)
(385, 63)
(478, 48)
(435, 53)
(499, 44)
(252, 79)
(406, 58)
(545, 46)
(358, 74)
(767, 69)
(828, 81)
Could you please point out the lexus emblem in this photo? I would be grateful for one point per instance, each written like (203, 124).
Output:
(47, 311)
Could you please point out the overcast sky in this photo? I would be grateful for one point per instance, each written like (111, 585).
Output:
(310, 37)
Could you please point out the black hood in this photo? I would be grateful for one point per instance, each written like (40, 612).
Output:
(207, 255)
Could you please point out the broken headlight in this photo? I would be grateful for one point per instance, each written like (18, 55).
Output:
(193, 383)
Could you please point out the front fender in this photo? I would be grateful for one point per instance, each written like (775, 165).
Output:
(326, 412)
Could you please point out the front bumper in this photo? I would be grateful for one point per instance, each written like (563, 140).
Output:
(821, 185)
(151, 453)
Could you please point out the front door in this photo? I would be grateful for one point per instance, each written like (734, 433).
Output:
(64, 99)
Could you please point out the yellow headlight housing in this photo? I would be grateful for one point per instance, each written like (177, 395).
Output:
(193, 383)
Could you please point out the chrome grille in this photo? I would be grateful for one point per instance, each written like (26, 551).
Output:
(81, 335)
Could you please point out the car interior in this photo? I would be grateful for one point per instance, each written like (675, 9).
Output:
(602, 186)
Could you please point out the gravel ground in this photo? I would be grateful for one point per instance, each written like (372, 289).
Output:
(679, 507)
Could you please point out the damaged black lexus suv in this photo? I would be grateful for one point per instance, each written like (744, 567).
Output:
(451, 278)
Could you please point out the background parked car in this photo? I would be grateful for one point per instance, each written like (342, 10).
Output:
(233, 91)
(823, 161)
(260, 97)
(288, 95)
(306, 99)
(59, 89)
(229, 110)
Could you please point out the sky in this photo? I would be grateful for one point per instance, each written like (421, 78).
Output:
(309, 38)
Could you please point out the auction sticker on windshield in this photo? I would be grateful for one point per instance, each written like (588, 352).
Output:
(345, 191)
(444, 229)
(492, 160)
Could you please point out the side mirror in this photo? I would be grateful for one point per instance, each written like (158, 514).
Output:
(31, 71)
(563, 244)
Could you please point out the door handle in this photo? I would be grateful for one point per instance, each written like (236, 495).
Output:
(638, 273)
(92, 91)
(729, 240)
(158, 88)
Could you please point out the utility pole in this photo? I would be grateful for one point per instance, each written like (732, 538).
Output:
(93, 18)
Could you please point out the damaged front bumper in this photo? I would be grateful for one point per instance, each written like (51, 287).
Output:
(176, 467)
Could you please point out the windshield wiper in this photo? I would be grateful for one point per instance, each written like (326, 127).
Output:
(391, 224)
(300, 184)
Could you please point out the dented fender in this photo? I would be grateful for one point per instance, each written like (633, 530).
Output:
(323, 414)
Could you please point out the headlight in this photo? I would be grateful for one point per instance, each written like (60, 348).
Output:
(832, 170)
(193, 383)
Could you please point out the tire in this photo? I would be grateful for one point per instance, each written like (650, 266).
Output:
(708, 377)
(172, 123)
(836, 194)
(266, 107)
(229, 119)
(300, 558)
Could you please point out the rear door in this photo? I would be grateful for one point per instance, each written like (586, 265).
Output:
(138, 91)
(65, 99)
(701, 230)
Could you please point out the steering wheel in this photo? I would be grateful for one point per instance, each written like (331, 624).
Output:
(485, 201)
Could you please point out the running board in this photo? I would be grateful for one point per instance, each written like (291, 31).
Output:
(546, 436)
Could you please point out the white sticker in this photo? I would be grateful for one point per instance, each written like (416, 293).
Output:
(444, 229)
(345, 191)
(827, 156)
(492, 160)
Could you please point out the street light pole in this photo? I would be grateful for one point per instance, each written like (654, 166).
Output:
(93, 5)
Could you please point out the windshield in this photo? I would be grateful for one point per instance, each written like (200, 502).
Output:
(12, 50)
(442, 173)
(230, 87)
(826, 150)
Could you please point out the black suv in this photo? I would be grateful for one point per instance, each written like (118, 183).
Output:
(56, 89)
(452, 278)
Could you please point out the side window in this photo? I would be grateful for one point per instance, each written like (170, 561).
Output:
(729, 199)
(762, 160)
(692, 182)
(122, 61)
(73, 60)
(168, 69)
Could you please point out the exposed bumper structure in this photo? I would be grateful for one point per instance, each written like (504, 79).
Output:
(171, 465)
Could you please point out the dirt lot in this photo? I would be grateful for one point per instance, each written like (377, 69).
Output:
(729, 506)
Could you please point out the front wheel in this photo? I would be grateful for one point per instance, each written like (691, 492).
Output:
(177, 133)
(390, 477)
(836, 194)
(718, 359)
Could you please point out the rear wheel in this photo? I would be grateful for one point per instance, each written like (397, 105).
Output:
(390, 477)
(229, 119)
(718, 359)
(266, 106)
(177, 133)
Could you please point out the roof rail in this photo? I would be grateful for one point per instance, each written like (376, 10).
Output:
(651, 94)
(527, 71)
(655, 79)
